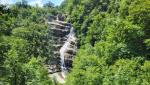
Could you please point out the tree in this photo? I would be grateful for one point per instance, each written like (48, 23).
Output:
(22, 3)
(114, 33)
(24, 45)
(49, 4)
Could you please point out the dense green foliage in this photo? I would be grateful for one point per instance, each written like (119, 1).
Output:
(113, 37)
(114, 40)
(24, 44)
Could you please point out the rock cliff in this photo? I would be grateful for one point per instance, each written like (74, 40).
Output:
(64, 47)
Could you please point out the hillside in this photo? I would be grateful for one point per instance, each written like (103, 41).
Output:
(80, 42)
(114, 42)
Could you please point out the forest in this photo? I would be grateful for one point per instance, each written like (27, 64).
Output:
(113, 39)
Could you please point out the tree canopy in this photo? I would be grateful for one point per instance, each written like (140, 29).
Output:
(113, 41)
(25, 45)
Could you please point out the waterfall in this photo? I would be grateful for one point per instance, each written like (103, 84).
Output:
(64, 48)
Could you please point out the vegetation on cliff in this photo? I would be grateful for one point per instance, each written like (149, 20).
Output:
(113, 38)
(24, 44)
(114, 42)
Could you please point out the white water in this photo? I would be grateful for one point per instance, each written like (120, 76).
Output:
(63, 50)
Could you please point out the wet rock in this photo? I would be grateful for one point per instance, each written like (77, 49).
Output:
(63, 37)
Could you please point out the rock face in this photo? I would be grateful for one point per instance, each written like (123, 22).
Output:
(64, 46)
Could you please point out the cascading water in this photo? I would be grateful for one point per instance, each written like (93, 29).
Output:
(71, 37)
(63, 50)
